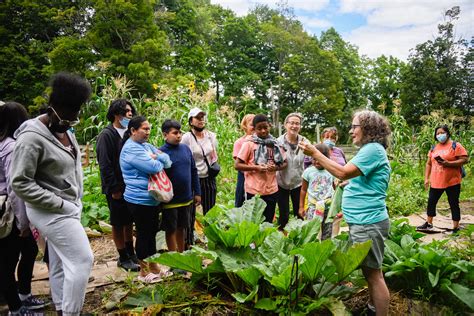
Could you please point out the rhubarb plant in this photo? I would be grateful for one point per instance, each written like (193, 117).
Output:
(268, 269)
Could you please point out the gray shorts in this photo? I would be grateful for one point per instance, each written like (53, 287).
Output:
(376, 232)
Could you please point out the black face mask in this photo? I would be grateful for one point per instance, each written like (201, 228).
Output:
(56, 128)
(198, 129)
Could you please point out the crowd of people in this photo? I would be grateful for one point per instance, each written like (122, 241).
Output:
(41, 188)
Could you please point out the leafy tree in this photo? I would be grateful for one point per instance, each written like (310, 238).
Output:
(125, 35)
(435, 78)
(27, 32)
(350, 67)
(383, 82)
(188, 27)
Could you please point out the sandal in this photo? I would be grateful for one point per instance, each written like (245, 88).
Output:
(150, 278)
(165, 274)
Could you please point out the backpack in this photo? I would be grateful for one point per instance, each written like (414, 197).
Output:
(6, 216)
(454, 144)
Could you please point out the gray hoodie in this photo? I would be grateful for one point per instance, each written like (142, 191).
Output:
(292, 176)
(6, 149)
(44, 172)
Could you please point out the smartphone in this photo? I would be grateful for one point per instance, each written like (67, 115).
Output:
(439, 159)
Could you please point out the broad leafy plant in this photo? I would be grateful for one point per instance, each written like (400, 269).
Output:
(429, 269)
(266, 268)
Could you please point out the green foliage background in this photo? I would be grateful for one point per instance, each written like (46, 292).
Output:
(261, 62)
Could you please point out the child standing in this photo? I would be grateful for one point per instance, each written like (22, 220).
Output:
(319, 185)
(260, 158)
(183, 174)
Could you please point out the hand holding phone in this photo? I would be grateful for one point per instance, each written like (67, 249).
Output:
(439, 159)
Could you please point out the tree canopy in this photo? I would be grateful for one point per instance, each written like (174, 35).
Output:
(261, 62)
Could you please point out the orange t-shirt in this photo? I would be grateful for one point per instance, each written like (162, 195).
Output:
(256, 182)
(443, 177)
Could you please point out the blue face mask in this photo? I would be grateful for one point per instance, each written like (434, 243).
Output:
(124, 122)
(442, 137)
(330, 143)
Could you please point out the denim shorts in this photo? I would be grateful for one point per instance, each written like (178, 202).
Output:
(376, 232)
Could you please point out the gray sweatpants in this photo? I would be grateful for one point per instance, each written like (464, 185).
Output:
(70, 254)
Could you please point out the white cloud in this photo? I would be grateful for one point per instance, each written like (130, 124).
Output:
(393, 28)
(309, 22)
(241, 7)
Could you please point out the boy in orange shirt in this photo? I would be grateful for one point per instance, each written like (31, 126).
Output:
(260, 158)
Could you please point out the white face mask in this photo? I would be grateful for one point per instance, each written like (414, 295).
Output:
(442, 137)
(330, 143)
(124, 122)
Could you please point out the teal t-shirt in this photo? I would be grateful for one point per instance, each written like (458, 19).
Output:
(363, 200)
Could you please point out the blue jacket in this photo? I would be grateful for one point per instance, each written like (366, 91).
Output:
(137, 166)
(183, 173)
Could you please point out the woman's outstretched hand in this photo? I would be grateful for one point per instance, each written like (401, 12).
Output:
(308, 149)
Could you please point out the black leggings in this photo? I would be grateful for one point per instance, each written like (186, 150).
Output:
(453, 198)
(284, 204)
(28, 251)
(147, 224)
(12, 246)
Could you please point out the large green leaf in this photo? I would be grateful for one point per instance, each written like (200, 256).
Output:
(187, 261)
(282, 281)
(220, 236)
(408, 244)
(213, 215)
(316, 256)
(249, 275)
(336, 203)
(434, 278)
(264, 230)
(251, 211)
(236, 260)
(266, 304)
(349, 261)
(317, 304)
(204, 253)
(303, 232)
(273, 245)
(463, 293)
(393, 251)
(242, 298)
(337, 307)
(246, 232)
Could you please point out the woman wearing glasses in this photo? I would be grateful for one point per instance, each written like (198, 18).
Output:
(289, 179)
(363, 201)
(47, 175)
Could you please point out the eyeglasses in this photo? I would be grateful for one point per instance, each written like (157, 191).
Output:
(65, 122)
(294, 123)
(353, 126)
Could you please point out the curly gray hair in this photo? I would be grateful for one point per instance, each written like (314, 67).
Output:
(375, 127)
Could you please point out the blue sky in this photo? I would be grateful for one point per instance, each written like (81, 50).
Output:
(376, 27)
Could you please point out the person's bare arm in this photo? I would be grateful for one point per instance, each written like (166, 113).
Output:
(240, 165)
(345, 172)
(303, 192)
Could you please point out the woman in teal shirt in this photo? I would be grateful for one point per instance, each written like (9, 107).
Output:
(363, 201)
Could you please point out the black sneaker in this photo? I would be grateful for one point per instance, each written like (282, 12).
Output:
(426, 226)
(134, 258)
(128, 265)
(33, 303)
(22, 311)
